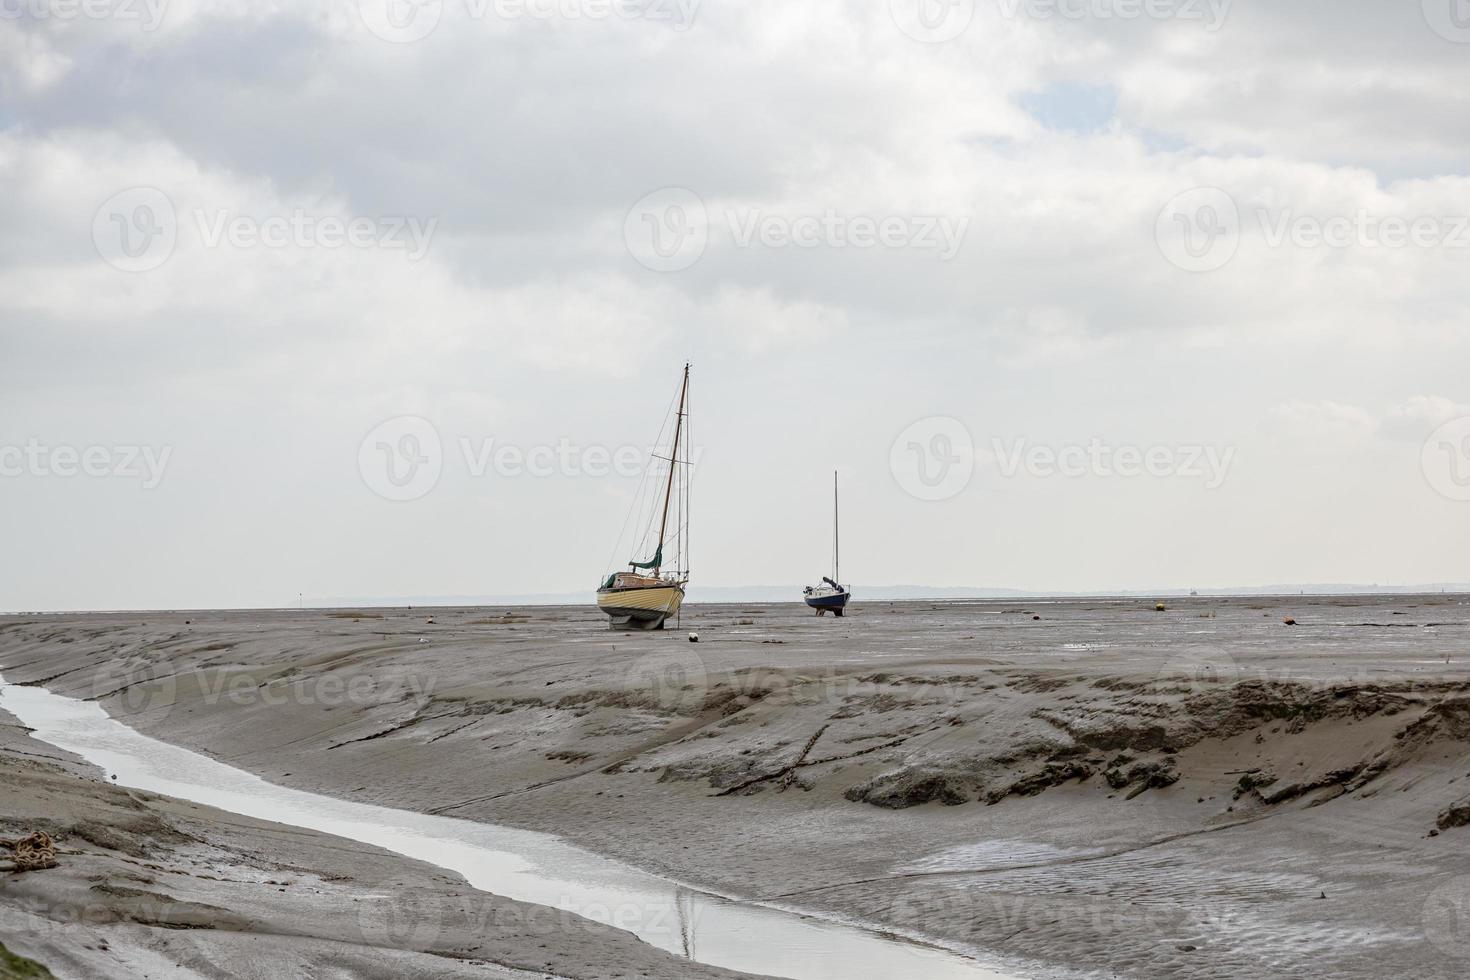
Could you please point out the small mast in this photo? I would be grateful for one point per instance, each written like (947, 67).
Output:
(836, 553)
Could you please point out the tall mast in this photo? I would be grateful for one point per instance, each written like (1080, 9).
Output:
(836, 554)
(663, 523)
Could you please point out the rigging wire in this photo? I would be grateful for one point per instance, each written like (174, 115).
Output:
(644, 497)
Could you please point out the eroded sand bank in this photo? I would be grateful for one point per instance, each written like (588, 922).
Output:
(1203, 791)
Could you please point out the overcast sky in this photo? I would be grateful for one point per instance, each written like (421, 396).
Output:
(380, 299)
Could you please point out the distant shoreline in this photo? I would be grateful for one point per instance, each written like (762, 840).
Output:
(763, 595)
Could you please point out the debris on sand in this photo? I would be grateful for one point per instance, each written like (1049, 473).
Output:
(1160, 607)
(1289, 621)
(1457, 815)
(1254, 780)
(1142, 777)
(1053, 774)
(898, 791)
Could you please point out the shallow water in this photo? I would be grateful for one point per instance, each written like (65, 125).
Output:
(518, 864)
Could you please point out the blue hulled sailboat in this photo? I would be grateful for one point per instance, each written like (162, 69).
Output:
(830, 596)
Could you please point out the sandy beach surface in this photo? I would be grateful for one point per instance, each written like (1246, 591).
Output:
(1079, 787)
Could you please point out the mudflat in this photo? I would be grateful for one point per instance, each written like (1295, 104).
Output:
(1065, 787)
(148, 886)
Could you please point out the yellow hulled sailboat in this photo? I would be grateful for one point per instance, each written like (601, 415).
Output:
(651, 591)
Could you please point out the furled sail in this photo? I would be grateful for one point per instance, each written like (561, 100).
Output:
(657, 561)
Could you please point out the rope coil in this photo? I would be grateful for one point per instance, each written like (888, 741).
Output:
(35, 852)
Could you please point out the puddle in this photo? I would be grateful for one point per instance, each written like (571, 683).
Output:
(519, 864)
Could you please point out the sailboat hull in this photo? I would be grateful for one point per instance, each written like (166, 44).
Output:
(641, 608)
(836, 602)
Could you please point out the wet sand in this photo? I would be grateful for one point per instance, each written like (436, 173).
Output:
(1199, 792)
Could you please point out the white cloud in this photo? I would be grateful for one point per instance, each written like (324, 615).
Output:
(1324, 420)
(1410, 420)
(1418, 416)
(28, 62)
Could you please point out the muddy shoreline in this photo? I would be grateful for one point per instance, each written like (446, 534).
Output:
(1107, 789)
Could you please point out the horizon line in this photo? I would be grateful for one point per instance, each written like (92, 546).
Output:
(921, 593)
